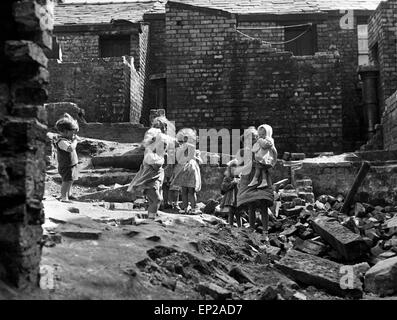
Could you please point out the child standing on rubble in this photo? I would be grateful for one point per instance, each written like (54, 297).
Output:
(229, 191)
(67, 157)
(187, 170)
(150, 177)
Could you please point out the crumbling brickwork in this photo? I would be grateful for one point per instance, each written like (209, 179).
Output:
(75, 47)
(225, 81)
(25, 30)
(109, 89)
(382, 30)
(100, 86)
(389, 123)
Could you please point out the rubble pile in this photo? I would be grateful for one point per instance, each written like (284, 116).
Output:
(311, 241)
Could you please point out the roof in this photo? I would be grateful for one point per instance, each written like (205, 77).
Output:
(104, 12)
(283, 6)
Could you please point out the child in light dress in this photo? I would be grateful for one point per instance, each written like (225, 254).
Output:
(187, 170)
(150, 177)
(265, 154)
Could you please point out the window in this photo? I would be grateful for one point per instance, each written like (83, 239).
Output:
(301, 41)
(55, 53)
(160, 93)
(114, 46)
(362, 33)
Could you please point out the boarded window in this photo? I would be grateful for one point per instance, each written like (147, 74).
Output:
(363, 52)
(114, 46)
(301, 41)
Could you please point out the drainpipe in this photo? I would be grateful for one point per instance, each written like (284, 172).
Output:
(369, 76)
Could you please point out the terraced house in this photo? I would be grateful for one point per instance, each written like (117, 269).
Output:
(220, 64)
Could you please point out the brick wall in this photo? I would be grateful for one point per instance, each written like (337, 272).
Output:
(346, 42)
(273, 35)
(25, 29)
(389, 123)
(100, 86)
(218, 79)
(383, 33)
(76, 46)
(156, 63)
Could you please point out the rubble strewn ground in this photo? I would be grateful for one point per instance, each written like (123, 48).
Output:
(95, 249)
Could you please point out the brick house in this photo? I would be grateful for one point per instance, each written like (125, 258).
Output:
(99, 59)
(231, 64)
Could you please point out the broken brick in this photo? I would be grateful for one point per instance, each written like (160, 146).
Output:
(382, 278)
(213, 290)
(350, 245)
(315, 271)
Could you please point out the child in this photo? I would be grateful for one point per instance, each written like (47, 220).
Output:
(229, 191)
(150, 176)
(187, 171)
(67, 158)
(265, 156)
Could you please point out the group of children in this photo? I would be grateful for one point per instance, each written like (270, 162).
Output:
(171, 166)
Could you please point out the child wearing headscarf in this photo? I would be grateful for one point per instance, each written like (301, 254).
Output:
(187, 171)
(265, 155)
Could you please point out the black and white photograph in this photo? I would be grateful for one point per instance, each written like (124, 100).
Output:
(202, 152)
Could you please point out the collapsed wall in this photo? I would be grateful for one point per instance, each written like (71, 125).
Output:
(101, 86)
(25, 30)
(215, 79)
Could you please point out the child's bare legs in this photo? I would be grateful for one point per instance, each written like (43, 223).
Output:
(264, 218)
(251, 216)
(237, 213)
(234, 213)
(192, 197)
(255, 179)
(173, 196)
(70, 189)
(154, 198)
(264, 178)
(65, 190)
(184, 198)
(231, 216)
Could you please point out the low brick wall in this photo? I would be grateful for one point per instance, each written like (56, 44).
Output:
(119, 132)
(389, 123)
(331, 178)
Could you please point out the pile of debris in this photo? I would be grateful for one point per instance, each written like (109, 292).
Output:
(312, 241)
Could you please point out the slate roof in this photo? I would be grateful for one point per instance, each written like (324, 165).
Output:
(104, 12)
(283, 6)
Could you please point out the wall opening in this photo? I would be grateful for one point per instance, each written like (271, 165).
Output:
(114, 46)
(302, 40)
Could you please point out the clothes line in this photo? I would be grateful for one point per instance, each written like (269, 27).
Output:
(275, 27)
(273, 43)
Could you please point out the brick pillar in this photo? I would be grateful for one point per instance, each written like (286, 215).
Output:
(25, 30)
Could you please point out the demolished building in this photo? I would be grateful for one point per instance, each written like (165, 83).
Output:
(204, 61)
